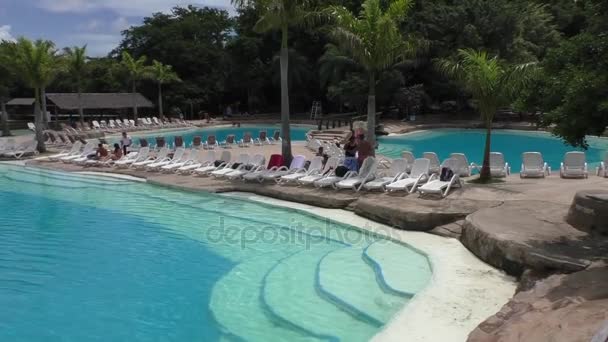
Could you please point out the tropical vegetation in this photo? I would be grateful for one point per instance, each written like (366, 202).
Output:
(274, 56)
(492, 85)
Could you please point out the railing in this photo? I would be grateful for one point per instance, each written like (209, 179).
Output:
(339, 120)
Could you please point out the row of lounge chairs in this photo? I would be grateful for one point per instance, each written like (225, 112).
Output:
(9, 148)
(118, 125)
(211, 142)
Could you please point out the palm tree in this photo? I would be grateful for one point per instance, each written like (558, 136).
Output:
(137, 70)
(280, 15)
(76, 58)
(36, 63)
(491, 83)
(374, 41)
(162, 74)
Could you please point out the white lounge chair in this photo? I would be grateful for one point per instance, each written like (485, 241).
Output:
(254, 164)
(533, 165)
(28, 147)
(601, 170)
(328, 180)
(574, 165)
(409, 158)
(133, 157)
(355, 180)
(498, 166)
(31, 127)
(314, 176)
(88, 149)
(461, 164)
(75, 150)
(230, 142)
(434, 165)
(177, 156)
(241, 160)
(198, 158)
(206, 169)
(297, 165)
(162, 155)
(435, 186)
(262, 139)
(409, 182)
(188, 157)
(396, 170)
(316, 165)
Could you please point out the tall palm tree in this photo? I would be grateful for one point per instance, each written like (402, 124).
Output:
(374, 41)
(280, 15)
(137, 70)
(162, 74)
(491, 83)
(37, 65)
(76, 59)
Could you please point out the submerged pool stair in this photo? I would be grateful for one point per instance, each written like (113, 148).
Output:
(294, 294)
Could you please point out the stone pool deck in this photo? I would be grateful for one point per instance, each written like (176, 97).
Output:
(518, 226)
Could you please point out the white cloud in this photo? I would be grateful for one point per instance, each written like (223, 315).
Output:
(98, 44)
(92, 25)
(127, 7)
(120, 24)
(5, 33)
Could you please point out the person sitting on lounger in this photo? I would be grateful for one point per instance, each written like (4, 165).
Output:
(117, 153)
(101, 153)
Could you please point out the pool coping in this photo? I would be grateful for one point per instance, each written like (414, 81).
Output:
(462, 293)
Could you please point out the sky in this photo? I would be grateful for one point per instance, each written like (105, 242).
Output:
(97, 23)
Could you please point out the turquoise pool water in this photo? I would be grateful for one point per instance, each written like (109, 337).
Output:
(471, 142)
(298, 132)
(87, 258)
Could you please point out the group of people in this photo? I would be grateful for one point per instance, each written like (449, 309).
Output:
(356, 150)
(120, 149)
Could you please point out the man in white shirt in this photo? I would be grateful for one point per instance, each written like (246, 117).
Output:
(125, 143)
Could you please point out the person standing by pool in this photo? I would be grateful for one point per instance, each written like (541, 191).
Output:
(125, 143)
(364, 149)
(350, 148)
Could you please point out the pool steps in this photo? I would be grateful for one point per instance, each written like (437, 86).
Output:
(364, 297)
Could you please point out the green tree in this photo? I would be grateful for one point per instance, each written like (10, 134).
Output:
(374, 41)
(491, 83)
(162, 74)
(6, 80)
(193, 41)
(137, 70)
(571, 90)
(76, 60)
(280, 15)
(36, 64)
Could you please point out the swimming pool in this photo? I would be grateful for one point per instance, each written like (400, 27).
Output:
(298, 132)
(471, 142)
(88, 258)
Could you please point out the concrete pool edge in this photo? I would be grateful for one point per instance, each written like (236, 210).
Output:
(462, 293)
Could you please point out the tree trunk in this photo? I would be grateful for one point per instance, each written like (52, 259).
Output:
(134, 103)
(80, 110)
(371, 109)
(45, 119)
(6, 131)
(160, 101)
(39, 120)
(285, 129)
(485, 174)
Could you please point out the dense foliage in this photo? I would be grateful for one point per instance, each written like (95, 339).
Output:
(228, 61)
